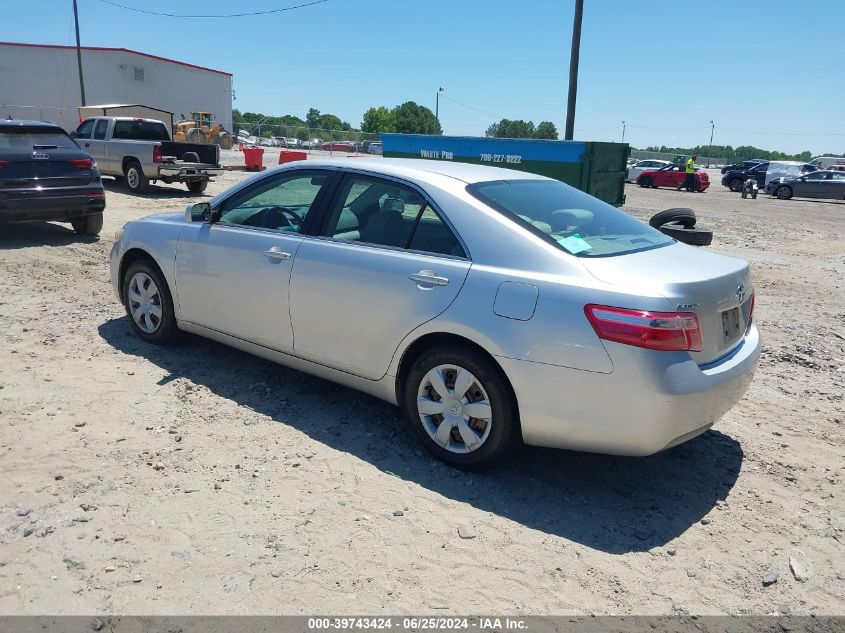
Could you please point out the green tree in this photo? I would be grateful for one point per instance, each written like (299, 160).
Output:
(507, 128)
(378, 119)
(546, 130)
(412, 118)
(312, 119)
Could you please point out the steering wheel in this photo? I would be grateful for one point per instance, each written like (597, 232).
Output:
(290, 216)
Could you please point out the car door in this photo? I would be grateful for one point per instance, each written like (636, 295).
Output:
(83, 134)
(233, 275)
(814, 185)
(96, 146)
(758, 173)
(386, 262)
(834, 186)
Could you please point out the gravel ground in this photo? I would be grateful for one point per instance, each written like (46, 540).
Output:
(199, 480)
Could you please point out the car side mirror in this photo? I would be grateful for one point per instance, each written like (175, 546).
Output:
(199, 212)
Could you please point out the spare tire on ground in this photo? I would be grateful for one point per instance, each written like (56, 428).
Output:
(684, 217)
(695, 237)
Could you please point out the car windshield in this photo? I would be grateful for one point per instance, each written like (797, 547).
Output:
(29, 138)
(572, 220)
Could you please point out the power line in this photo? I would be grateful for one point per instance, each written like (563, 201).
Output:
(785, 133)
(495, 116)
(228, 15)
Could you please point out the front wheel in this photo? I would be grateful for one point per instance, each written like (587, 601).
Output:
(148, 302)
(783, 192)
(89, 225)
(461, 407)
(197, 186)
(735, 185)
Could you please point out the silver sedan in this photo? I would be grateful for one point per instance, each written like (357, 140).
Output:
(494, 307)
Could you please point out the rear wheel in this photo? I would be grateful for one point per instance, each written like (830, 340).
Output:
(148, 302)
(735, 185)
(783, 192)
(89, 225)
(461, 407)
(197, 186)
(135, 178)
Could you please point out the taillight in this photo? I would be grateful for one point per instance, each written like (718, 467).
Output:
(666, 331)
(3, 163)
(95, 193)
(156, 153)
(81, 163)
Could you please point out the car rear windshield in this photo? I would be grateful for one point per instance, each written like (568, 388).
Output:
(30, 138)
(572, 220)
(140, 131)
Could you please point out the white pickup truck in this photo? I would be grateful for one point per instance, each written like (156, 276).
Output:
(140, 151)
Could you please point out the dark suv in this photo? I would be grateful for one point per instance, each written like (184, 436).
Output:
(45, 175)
(733, 179)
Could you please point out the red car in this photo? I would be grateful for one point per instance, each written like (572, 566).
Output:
(671, 176)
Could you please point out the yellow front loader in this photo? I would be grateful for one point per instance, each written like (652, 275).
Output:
(200, 129)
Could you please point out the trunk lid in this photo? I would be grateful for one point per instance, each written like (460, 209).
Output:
(715, 287)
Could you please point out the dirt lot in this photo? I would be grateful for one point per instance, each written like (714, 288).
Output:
(200, 480)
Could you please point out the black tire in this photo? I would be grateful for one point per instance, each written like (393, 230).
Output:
(504, 434)
(735, 185)
(88, 225)
(225, 140)
(195, 135)
(784, 192)
(166, 330)
(682, 216)
(695, 237)
(191, 157)
(645, 181)
(135, 179)
(197, 186)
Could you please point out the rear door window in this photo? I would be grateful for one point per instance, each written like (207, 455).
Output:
(387, 213)
(140, 131)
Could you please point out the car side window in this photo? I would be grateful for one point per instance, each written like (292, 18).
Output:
(387, 213)
(280, 204)
(85, 128)
(815, 175)
(100, 130)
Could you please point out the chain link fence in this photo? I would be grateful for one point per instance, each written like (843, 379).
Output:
(668, 156)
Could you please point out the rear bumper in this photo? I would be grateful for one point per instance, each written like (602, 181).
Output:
(187, 172)
(650, 402)
(48, 204)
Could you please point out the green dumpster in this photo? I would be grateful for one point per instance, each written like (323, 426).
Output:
(594, 167)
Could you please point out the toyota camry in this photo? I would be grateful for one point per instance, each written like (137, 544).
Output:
(495, 307)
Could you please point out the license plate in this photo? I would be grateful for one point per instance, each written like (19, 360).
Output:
(731, 325)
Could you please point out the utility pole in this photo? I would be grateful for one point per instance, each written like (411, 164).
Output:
(623, 130)
(573, 70)
(437, 104)
(78, 53)
(712, 127)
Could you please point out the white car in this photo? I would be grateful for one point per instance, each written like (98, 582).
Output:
(639, 167)
(495, 307)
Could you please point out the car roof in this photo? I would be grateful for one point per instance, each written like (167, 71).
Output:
(417, 167)
(28, 123)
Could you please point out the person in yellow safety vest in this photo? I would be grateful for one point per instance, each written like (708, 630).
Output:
(689, 182)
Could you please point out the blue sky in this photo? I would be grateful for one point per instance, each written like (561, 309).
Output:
(767, 72)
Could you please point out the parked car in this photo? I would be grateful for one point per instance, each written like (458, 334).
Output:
(375, 148)
(45, 175)
(140, 151)
(590, 331)
(829, 162)
(746, 164)
(640, 166)
(267, 142)
(337, 146)
(671, 176)
(735, 178)
(828, 184)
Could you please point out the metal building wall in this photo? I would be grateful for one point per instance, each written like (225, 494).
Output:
(41, 82)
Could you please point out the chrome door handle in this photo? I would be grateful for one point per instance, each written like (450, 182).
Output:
(428, 279)
(276, 255)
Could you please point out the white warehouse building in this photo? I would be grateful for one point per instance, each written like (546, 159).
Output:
(39, 81)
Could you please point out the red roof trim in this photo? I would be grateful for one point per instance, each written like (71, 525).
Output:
(118, 50)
